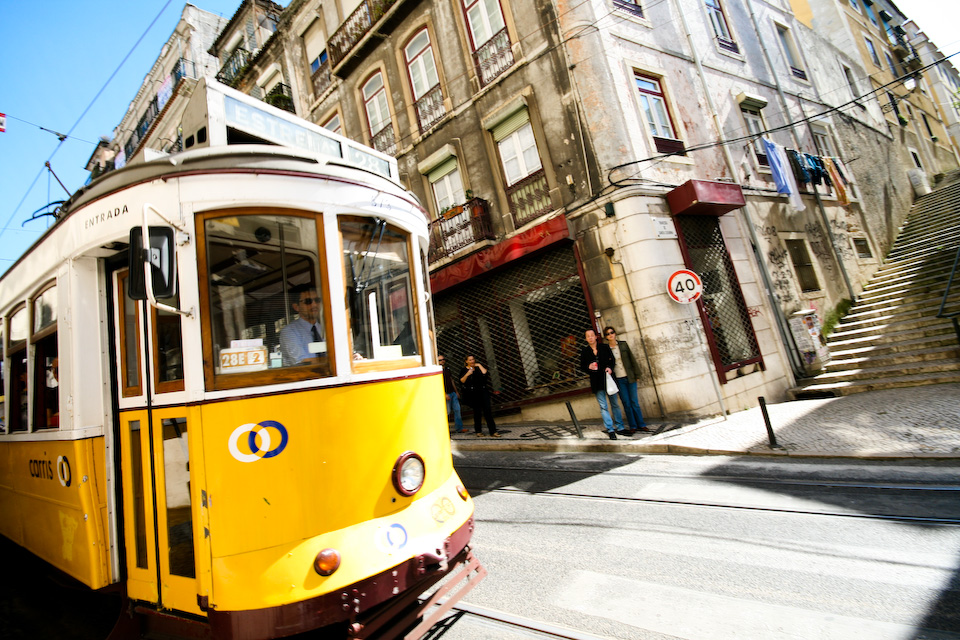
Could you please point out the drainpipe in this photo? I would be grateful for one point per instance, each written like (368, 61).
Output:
(796, 140)
(780, 319)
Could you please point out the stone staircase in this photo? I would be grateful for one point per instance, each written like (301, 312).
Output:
(892, 337)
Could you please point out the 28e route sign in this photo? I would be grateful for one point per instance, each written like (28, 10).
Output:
(684, 286)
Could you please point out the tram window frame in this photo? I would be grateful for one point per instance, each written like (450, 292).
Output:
(166, 385)
(364, 364)
(125, 302)
(43, 340)
(19, 413)
(325, 366)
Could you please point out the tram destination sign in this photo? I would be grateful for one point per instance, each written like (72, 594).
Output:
(268, 126)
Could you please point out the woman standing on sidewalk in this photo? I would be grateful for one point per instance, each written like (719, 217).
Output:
(626, 374)
(597, 361)
(474, 380)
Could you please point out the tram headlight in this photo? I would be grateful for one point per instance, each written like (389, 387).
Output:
(409, 473)
(326, 562)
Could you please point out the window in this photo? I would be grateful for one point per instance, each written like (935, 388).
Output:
(333, 124)
(720, 27)
(862, 248)
(424, 80)
(378, 114)
(653, 104)
(130, 324)
(46, 371)
(821, 140)
(856, 5)
(851, 83)
(891, 64)
(167, 347)
(527, 190)
(790, 52)
(892, 100)
(754, 121)
(800, 256)
(916, 159)
(871, 14)
(17, 331)
(926, 124)
(872, 50)
(492, 53)
(266, 302)
(446, 185)
(381, 302)
(633, 6)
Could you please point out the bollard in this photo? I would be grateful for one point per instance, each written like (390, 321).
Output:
(576, 424)
(766, 421)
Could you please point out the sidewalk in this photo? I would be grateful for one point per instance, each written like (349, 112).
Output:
(913, 423)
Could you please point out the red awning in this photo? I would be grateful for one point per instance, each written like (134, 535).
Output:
(533, 239)
(705, 198)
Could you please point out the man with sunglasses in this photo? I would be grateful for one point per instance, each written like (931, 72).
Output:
(295, 338)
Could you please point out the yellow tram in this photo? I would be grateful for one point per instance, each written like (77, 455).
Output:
(221, 387)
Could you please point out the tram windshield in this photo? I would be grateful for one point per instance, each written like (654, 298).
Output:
(266, 294)
(379, 294)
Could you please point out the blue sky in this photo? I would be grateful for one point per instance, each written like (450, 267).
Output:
(57, 55)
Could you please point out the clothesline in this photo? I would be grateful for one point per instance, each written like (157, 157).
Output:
(791, 168)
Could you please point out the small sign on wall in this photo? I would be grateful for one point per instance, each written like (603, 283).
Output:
(663, 227)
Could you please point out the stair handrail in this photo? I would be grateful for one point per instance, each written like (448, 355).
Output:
(946, 294)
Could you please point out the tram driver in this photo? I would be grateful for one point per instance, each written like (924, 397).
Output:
(296, 337)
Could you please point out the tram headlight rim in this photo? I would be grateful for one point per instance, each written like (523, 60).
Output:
(407, 463)
(327, 562)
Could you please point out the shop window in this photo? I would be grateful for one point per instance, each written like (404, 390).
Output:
(381, 301)
(267, 303)
(803, 265)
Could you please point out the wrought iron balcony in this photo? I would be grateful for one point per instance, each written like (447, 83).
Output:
(322, 79)
(385, 140)
(529, 198)
(354, 28)
(430, 108)
(460, 227)
(281, 97)
(183, 69)
(493, 57)
(234, 66)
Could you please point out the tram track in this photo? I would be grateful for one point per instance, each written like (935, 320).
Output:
(526, 627)
(917, 520)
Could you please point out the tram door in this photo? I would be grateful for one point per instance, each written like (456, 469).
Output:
(158, 531)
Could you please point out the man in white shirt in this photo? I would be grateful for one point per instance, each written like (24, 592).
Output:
(295, 338)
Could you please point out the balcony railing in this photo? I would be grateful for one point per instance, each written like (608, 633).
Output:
(281, 97)
(183, 69)
(493, 57)
(529, 198)
(460, 227)
(430, 108)
(354, 28)
(385, 141)
(322, 79)
(234, 66)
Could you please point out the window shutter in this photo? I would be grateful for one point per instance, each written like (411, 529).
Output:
(445, 167)
(510, 124)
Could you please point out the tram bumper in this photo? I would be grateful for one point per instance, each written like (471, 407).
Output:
(386, 605)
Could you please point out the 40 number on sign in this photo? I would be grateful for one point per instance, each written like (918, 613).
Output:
(684, 286)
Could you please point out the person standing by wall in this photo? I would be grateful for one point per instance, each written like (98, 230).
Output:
(453, 397)
(474, 379)
(596, 360)
(625, 373)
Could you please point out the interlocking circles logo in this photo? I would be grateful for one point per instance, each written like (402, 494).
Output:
(250, 442)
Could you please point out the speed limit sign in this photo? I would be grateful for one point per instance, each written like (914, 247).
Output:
(684, 286)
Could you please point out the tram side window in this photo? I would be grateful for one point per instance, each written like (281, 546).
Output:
(46, 369)
(168, 347)
(17, 332)
(381, 305)
(267, 309)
